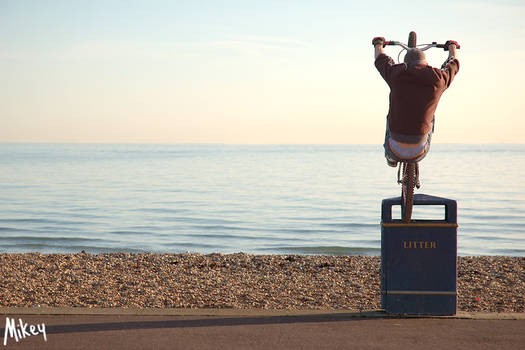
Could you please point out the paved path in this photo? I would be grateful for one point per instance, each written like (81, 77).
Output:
(259, 329)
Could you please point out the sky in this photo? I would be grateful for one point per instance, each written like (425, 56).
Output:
(248, 72)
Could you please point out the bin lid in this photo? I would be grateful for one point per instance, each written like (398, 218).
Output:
(421, 199)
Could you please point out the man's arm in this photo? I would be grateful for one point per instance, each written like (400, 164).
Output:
(382, 62)
(378, 50)
(451, 66)
(452, 51)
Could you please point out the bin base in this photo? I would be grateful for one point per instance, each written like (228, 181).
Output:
(413, 304)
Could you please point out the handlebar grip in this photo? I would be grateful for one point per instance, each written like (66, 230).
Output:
(450, 42)
(378, 40)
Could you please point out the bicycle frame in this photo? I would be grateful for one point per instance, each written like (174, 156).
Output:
(408, 178)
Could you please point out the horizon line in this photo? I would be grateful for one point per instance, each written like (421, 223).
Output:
(240, 144)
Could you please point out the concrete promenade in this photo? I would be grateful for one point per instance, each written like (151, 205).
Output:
(83, 328)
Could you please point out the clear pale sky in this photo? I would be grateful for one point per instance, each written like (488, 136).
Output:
(272, 71)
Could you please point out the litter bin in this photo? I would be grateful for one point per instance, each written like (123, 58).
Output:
(418, 260)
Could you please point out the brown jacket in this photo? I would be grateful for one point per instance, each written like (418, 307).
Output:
(414, 95)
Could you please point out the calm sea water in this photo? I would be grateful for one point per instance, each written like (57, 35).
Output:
(303, 199)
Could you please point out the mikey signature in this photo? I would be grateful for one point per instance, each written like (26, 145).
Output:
(22, 330)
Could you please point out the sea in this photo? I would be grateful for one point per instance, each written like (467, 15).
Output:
(256, 199)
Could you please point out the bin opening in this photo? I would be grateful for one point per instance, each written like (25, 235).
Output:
(426, 208)
(422, 212)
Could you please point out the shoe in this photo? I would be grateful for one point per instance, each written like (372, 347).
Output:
(392, 163)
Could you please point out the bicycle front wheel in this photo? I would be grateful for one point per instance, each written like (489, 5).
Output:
(407, 191)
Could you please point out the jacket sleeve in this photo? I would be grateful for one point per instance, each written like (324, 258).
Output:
(384, 64)
(449, 69)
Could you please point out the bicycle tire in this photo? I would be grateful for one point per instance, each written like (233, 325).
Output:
(407, 191)
(412, 39)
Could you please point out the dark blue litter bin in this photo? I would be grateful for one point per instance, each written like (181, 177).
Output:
(418, 260)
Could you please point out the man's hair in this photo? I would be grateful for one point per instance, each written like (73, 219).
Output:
(414, 56)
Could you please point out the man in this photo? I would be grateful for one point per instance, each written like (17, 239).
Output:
(415, 90)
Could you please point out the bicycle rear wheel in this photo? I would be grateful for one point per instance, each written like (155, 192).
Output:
(407, 191)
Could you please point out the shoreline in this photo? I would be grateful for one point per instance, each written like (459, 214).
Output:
(236, 281)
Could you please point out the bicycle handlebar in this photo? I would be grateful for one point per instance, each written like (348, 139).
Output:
(426, 46)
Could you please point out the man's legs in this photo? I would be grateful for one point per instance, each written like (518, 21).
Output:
(392, 159)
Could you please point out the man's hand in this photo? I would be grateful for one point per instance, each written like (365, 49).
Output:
(379, 40)
(450, 43)
(451, 47)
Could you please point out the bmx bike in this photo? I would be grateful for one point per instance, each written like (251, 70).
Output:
(408, 172)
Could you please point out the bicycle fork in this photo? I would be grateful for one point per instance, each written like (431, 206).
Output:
(401, 178)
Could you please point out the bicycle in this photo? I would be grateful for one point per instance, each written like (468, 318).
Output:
(410, 169)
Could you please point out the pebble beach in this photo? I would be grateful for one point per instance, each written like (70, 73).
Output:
(239, 281)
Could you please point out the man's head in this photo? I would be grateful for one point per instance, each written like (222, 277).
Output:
(414, 57)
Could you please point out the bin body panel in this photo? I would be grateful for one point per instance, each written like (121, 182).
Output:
(418, 262)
